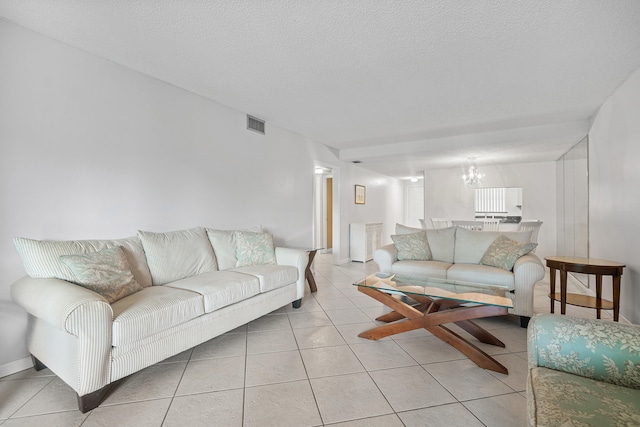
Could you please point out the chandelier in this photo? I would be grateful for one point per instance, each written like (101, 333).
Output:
(473, 177)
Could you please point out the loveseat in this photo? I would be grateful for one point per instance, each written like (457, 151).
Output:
(100, 310)
(582, 372)
(455, 254)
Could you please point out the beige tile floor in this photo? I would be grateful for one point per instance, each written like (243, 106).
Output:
(304, 367)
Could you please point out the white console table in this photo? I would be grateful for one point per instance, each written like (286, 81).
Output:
(364, 239)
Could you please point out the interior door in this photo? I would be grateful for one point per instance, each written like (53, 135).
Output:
(329, 212)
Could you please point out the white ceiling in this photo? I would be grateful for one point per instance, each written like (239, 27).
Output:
(400, 85)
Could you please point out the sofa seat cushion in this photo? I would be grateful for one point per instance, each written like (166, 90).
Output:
(434, 269)
(152, 310)
(475, 273)
(220, 288)
(561, 398)
(271, 276)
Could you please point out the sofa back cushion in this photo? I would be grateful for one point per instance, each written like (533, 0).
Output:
(441, 241)
(41, 258)
(471, 245)
(403, 229)
(225, 247)
(177, 255)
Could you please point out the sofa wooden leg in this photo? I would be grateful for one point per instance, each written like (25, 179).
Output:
(524, 321)
(297, 303)
(37, 365)
(91, 401)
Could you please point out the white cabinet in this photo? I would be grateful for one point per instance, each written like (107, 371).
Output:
(364, 239)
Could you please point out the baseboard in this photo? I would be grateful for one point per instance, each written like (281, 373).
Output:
(15, 366)
(590, 292)
(623, 319)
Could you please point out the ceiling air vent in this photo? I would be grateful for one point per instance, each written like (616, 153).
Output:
(255, 124)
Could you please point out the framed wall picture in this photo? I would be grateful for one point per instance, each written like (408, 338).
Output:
(360, 194)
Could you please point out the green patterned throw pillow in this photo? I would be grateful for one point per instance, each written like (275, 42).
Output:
(105, 272)
(504, 252)
(414, 246)
(254, 248)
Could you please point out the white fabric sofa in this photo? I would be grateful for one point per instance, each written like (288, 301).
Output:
(192, 288)
(456, 256)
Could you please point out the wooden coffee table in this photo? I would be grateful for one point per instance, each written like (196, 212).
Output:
(432, 303)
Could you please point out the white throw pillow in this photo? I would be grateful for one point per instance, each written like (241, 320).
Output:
(224, 245)
(105, 272)
(41, 258)
(177, 255)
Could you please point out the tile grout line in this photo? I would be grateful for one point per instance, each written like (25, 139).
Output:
(306, 372)
(29, 400)
(186, 365)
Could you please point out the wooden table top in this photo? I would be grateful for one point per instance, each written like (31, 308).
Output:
(595, 262)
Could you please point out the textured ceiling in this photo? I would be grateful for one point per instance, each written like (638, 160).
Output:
(400, 85)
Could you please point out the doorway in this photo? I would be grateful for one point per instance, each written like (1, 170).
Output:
(323, 211)
(414, 209)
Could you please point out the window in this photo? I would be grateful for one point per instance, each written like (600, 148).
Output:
(502, 202)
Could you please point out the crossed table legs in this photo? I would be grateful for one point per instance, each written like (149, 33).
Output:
(431, 315)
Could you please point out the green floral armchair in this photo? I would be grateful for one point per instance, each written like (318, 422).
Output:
(583, 372)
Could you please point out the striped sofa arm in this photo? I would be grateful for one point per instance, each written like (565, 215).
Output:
(385, 256)
(601, 350)
(527, 270)
(296, 258)
(85, 316)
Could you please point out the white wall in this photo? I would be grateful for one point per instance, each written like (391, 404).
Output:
(384, 203)
(614, 204)
(446, 196)
(90, 149)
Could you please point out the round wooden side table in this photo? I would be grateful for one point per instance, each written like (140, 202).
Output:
(598, 267)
